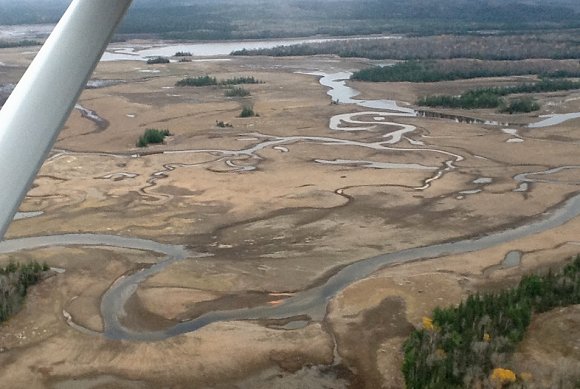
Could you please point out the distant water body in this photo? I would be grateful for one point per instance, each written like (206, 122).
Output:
(211, 49)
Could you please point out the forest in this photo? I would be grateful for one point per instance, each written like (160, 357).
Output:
(469, 345)
(492, 97)
(554, 45)
(15, 279)
(228, 19)
(434, 71)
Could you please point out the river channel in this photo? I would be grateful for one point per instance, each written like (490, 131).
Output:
(212, 49)
(311, 302)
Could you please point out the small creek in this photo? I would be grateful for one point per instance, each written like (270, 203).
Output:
(310, 302)
(102, 124)
(525, 179)
(552, 120)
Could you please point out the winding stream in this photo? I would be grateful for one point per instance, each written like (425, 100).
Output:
(310, 302)
(525, 179)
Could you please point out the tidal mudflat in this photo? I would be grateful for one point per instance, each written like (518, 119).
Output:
(273, 233)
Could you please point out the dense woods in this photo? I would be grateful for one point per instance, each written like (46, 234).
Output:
(448, 70)
(492, 97)
(15, 279)
(227, 19)
(469, 345)
(485, 47)
(247, 19)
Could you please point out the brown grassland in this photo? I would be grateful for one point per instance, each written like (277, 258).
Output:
(275, 222)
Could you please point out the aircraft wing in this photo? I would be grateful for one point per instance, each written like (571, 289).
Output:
(37, 109)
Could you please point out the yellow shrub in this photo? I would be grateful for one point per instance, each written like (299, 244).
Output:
(503, 376)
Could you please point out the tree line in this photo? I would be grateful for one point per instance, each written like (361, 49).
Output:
(217, 19)
(468, 345)
(493, 97)
(554, 45)
(15, 279)
(434, 71)
(210, 81)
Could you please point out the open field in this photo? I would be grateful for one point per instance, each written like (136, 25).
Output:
(261, 213)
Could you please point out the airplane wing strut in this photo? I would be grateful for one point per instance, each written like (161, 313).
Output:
(37, 109)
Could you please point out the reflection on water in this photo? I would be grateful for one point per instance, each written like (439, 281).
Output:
(212, 49)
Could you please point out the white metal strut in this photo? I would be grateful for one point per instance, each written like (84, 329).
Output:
(37, 109)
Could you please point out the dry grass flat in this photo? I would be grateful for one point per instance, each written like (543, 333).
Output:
(273, 220)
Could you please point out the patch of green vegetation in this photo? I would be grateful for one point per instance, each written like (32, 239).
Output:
(15, 279)
(461, 346)
(491, 97)
(240, 80)
(209, 81)
(152, 136)
(523, 105)
(248, 112)
(197, 81)
(479, 98)
(431, 71)
(157, 60)
(236, 92)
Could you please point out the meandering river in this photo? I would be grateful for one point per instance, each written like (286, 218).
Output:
(311, 302)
